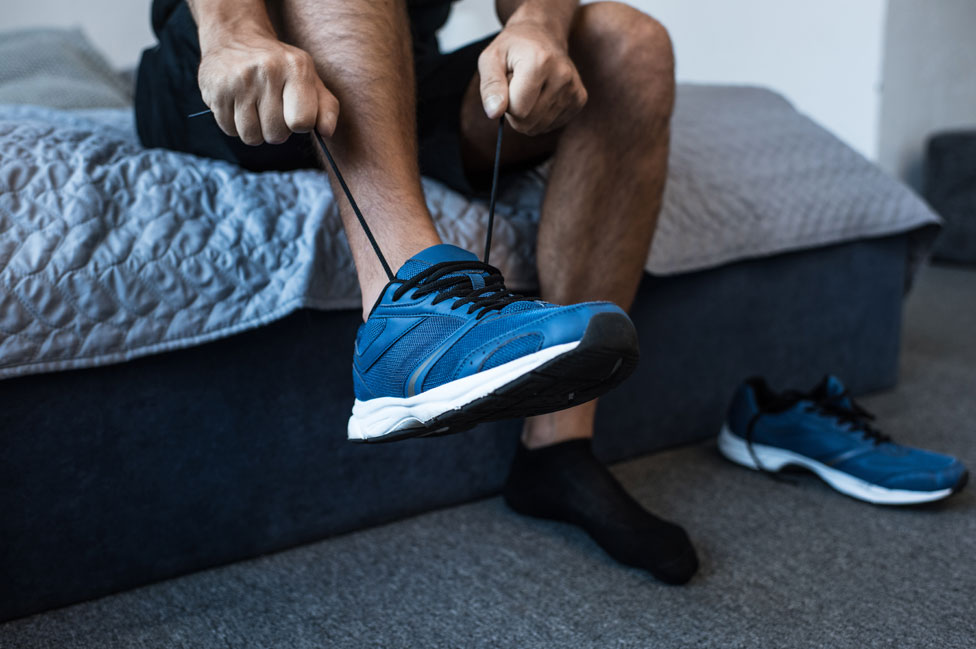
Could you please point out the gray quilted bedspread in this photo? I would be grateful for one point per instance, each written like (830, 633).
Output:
(109, 251)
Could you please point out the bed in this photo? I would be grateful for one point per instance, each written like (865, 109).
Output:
(175, 333)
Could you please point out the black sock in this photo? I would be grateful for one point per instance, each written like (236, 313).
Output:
(565, 482)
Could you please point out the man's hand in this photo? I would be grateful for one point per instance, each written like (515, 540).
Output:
(526, 72)
(263, 90)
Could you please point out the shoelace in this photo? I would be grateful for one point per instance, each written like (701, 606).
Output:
(362, 220)
(445, 280)
(448, 278)
(856, 417)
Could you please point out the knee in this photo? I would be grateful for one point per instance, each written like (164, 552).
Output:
(623, 51)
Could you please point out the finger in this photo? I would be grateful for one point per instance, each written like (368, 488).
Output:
(572, 109)
(556, 109)
(274, 130)
(328, 110)
(223, 111)
(527, 82)
(300, 105)
(546, 109)
(561, 99)
(493, 73)
(562, 119)
(247, 123)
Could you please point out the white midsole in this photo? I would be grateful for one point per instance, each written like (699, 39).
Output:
(383, 416)
(773, 459)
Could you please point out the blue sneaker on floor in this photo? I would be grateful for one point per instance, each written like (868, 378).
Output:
(447, 346)
(825, 431)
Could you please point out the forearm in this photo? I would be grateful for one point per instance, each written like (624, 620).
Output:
(556, 16)
(218, 19)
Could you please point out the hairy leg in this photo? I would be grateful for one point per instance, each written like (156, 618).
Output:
(609, 167)
(362, 52)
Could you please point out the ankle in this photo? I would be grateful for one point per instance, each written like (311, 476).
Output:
(561, 426)
(373, 278)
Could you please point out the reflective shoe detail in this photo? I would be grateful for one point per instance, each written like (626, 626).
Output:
(447, 346)
(827, 432)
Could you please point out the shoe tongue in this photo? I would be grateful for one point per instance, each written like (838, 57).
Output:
(831, 389)
(439, 254)
(433, 255)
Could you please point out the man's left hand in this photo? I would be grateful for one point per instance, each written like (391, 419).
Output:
(526, 72)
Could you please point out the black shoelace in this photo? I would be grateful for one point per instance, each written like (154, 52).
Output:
(448, 281)
(857, 418)
(448, 278)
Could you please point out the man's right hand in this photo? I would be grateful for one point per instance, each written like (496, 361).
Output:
(263, 90)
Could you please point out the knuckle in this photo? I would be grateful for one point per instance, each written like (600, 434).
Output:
(491, 84)
(301, 122)
(518, 111)
(245, 76)
(582, 96)
(300, 62)
(563, 74)
(489, 63)
(523, 126)
(268, 66)
(486, 57)
(292, 58)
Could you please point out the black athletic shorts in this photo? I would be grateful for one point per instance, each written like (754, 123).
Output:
(167, 91)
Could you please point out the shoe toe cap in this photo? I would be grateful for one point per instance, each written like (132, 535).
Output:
(572, 323)
(943, 475)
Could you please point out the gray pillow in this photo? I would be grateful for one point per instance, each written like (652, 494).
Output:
(58, 68)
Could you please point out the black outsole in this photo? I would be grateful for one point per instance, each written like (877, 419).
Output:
(606, 355)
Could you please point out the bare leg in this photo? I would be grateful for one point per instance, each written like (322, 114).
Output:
(362, 51)
(607, 179)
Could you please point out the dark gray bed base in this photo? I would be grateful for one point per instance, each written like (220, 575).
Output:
(118, 476)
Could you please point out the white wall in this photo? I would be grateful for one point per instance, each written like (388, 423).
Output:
(929, 79)
(825, 56)
(120, 28)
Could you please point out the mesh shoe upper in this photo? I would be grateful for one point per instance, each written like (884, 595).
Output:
(446, 316)
(826, 425)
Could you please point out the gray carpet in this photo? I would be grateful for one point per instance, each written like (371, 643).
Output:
(783, 566)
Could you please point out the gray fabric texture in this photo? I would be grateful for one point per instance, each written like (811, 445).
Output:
(58, 68)
(109, 251)
(782, 566)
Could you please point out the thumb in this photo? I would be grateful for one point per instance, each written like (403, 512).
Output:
(328, 113)
(494, 82)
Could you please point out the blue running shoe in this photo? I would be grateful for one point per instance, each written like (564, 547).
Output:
(827, 432)
(447, 346)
